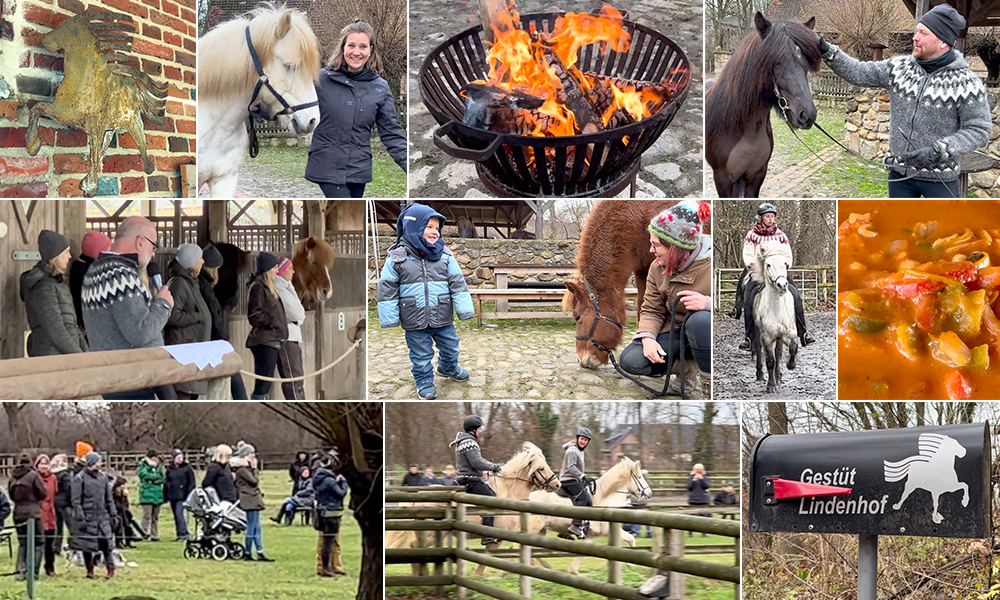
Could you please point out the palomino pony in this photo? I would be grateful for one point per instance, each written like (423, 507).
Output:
(932, 469)
(769, 70)
(774, 315)
(311, 257)
(627, 474)
(614, 244)
(228, 80)
(525, 471)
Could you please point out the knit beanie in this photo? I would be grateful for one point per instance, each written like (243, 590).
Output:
(265, 262)
(51, 244)
(93, 458)
(188, 255)
(83, 449)
(944, 22)
(680, 224)
(94, 242)
(42, 457)
(213, 258)
(245, 450)
(283, 264)
(24, 458)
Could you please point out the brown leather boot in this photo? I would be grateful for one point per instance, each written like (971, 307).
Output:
(338, 560)
(319, 555)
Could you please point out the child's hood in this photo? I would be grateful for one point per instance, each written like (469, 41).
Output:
(410, 230)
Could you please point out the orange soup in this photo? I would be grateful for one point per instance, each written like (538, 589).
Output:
(919, 299)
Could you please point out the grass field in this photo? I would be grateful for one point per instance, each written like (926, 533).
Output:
(163, 573)
(288, 163)
(696, 588)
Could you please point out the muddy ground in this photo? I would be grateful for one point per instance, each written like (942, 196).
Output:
(671, 168)
(814, 378)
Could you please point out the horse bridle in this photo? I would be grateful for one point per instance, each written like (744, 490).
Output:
(639, 486)
(263, 81)
(535, 477)
(597, 317)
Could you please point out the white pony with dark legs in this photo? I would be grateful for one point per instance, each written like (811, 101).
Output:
(774, 315)
(289, 56)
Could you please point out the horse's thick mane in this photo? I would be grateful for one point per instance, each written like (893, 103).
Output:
(224, 63)
(516, 467)
(613, 477)
(746, 82)
(322, 251)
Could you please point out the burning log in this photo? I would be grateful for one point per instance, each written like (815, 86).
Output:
(572, 95)
(482, 101)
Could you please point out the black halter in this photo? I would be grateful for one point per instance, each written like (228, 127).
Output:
(262, 80)
(597, 317)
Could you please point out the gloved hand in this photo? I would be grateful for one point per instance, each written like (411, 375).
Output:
(497, 468)
(922, 158)
(823, 44)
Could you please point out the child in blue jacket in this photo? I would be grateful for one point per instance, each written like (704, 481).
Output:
(420, 288)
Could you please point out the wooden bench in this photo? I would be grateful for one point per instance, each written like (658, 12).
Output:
(502, 270)
(479, 295)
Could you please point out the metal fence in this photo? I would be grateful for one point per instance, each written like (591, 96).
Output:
(816, 283)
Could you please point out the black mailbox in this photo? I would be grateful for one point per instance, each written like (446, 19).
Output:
(928, 481)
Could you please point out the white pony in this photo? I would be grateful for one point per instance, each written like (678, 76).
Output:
(289, 56)
(933, 469)
(774, 315)
(627, 475)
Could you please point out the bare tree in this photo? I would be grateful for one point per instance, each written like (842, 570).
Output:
(863, 22)
(985, 43)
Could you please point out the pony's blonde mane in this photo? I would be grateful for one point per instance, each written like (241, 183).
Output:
(222, 69)
(516, 470)
(612, 479)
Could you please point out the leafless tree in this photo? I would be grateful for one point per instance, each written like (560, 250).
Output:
(863, 22)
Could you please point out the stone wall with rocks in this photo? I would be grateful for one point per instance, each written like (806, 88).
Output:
(867, 123)
(987, 183)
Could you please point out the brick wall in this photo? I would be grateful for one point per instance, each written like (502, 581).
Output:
(163, 47)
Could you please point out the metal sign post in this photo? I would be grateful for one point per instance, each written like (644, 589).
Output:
(867, 566)
(30, 559)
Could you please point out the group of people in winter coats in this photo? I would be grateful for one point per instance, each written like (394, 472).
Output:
(113, 297)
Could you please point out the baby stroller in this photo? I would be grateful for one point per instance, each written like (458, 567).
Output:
(217, 522)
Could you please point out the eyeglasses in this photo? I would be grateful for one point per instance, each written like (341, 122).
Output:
(155, 245)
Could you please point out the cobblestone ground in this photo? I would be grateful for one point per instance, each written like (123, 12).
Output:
(671, 168)
(533, 359)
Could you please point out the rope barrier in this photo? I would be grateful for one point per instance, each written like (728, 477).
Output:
(306, 376)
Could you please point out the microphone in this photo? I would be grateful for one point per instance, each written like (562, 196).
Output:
(155, 274)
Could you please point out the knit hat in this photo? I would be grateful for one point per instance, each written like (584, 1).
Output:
(58, 463)
(680, 224)
(283, 264)
(944, 22)
(245, 450)
(24, 458)
(94, 242)
(212, 256)
(42, 457)
(177, 452)
(83, 449)
(265, 262)
(51, 244)
(93, 458)
(188, 255)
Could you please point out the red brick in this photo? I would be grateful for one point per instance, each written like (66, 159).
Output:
(70, 188)
(158, 183)
(34, 189)
(15, 137)
(146, 47)
(152, 67)
(190, 45)
(189, 77)
(8, 109)
(175, 184)
(171, 72)
(154, 3)
(175, 108)
(12, 167)
(187, 15)
(168, 21)
(151, 32)
(153, 142)
(71, 137)
(170, 164)
(32, 37)
(43, 16)
(186, 126)
(46, 61)
(129, 7)
(190, 110)
(173, 39)
(69, 163)
(176, 92)
(187, 59)
(191, 146)
(168, 125)
(133, 185)
(73, 6)
(24, 61)
(122, 163)
(170, 8)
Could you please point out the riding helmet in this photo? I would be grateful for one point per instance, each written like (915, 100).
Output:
(472, 423)
(585, 432)
(767, 207)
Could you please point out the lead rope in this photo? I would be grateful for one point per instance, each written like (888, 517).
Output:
(670, 359)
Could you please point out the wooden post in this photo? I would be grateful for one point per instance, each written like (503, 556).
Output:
(218, 220)
(439, 567)
(315, 225)
(288, 226)
(460, 545)
(657, 541)
(921, 7)
(677, 551)
(525, 581)
(615, 541)
(736, 554)
(178, 224)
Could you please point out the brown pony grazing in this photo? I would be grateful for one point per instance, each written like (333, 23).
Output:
(312, 259)
(769, 70)
(614, 244)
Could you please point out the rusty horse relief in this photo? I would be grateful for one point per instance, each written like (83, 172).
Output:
(932, 469)
(99, 94)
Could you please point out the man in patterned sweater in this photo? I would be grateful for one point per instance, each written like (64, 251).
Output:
(938, 107)
(471, 465)
(117, 309)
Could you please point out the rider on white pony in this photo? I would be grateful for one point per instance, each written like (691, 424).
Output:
(575, 482)
(471, 465)
(766, 230)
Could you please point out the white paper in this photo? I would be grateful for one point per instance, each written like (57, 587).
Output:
(201, 354)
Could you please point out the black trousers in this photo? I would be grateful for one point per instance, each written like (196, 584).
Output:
(752, 289)
(22, 547)
(290, 365)
(104, 547)
(479, 487)
(698, 332)
(347, 190)
(264, 360)
(581, 497)
(915, 188)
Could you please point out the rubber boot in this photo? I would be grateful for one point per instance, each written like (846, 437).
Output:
(705, 379)
(111, 570)
(319, 555)
(326, 556)
(338, 559)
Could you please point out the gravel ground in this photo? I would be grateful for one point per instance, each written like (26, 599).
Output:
(671, 168)
(814, 378)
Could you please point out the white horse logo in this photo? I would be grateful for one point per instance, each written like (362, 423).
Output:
(932, 470)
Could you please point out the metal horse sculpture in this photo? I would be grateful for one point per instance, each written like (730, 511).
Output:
(99, 94)
(933, 469)
(774, 316)
(769, 70)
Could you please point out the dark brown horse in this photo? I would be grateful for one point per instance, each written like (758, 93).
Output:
(311, 258)
(614, 244)
(769, 70)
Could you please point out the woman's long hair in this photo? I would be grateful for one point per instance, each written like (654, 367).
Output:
(268, 280)
(676, 257)
(374, 62)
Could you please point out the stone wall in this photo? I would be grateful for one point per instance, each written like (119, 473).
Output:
(987, 183)
(867, 123)
(163, 47)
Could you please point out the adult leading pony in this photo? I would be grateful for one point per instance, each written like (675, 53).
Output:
(614, 244)
(227, 78)
(774, 315)
(769, 70)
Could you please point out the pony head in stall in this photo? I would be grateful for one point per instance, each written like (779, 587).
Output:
(312, 259)
(466, 228)
(289, 56)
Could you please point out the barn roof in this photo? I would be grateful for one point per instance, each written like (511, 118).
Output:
(502, 214)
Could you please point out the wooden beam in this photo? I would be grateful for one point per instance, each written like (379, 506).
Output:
(240, 212)
(218, 220)
(121, 208)
(922, 6)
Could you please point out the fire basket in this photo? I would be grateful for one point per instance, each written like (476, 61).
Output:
(596, 164)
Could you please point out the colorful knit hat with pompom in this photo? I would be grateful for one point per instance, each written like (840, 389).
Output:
(681, 224)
